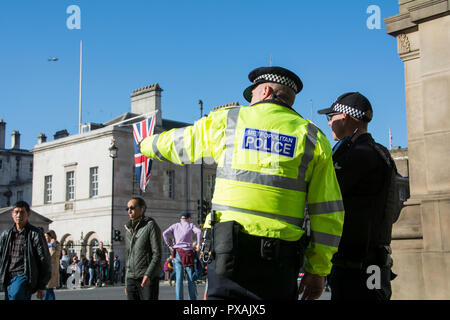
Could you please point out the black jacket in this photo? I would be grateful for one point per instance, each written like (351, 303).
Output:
(363, 178)
(143, 249)
(38, 267)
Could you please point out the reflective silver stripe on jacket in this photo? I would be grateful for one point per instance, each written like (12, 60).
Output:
(227, 172)
(325, 239)
(180, 147)
(155, 148)
(230, 134)
(261, 178)
(325, 207)
(295, 221)
(310, 146)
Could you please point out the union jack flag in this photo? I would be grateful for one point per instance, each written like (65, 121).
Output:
(143, 164)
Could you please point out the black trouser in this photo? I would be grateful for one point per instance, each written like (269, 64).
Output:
(351, 284)
(255, 278)
(136, 292)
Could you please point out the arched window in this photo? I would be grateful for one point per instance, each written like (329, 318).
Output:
(70, 248)
(93, 245)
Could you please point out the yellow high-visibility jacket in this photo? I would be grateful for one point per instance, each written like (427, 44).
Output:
(271, 163)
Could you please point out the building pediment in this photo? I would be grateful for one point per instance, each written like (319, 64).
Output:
(5, 216)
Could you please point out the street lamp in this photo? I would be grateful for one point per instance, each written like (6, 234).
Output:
(113, 154)
(199, 219)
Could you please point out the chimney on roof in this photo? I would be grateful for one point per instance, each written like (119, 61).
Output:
(2, 133)
(60, 134)
(42, 138)
(147, 99)
(15, 140)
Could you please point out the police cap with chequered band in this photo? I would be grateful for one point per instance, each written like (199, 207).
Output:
(273, 74)
(353, 104)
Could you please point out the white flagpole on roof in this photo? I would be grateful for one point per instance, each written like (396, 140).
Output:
(81, 80)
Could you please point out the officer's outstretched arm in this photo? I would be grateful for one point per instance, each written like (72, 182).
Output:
(182, 145)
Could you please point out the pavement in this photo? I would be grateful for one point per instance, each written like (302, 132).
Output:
(117, 292)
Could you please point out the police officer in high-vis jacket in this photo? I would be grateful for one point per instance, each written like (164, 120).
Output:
(272, 166)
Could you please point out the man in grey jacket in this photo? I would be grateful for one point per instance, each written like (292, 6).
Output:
(143, 253)
(25, 264)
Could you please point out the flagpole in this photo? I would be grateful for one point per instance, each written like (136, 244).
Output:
(81, 80)
(390, 139)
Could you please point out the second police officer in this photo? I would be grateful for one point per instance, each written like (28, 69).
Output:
(271, 163)
(364, 170)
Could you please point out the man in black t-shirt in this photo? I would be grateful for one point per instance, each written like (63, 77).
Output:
(102, 263)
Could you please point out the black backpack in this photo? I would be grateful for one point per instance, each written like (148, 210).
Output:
(394, 203)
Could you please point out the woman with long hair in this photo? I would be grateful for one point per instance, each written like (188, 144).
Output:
(55, 251)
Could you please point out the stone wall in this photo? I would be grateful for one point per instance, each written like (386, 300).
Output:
(421, 238)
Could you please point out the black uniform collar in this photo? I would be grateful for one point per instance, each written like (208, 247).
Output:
(278, 102)
(364, 138)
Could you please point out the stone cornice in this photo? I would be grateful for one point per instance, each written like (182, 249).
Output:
(408, 21)
(81, 138)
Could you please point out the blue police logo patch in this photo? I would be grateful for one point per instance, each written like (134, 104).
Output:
(270, 142)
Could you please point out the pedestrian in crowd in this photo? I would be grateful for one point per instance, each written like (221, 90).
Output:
(81, 270)
(183, 253)
(92, 270)
(54, 248)
(198, 265)
(143, 252)
(364, 169)
(116, 267)
(168, 268)
(86, 274)
(64, 264)
(102, 264)
(271, 162)
(25, 263)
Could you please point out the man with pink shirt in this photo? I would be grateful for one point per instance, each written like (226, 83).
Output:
(182, 250)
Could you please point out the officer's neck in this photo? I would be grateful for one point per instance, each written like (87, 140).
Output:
(355, 133)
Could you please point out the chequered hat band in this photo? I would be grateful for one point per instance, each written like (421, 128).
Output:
(358, 114)
(278, 79)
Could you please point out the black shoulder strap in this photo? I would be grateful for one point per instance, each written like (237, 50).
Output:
(385, 155)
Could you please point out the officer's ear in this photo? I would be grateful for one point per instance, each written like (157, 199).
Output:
(346, 118)
(267, 92)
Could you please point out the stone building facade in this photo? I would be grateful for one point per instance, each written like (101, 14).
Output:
(35, 219)
(16, 170)
(421, 237)
(73, 180)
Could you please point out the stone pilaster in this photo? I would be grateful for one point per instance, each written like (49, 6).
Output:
(421, 238)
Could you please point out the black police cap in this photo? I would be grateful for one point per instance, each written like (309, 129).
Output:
(275, 75)
(353, 104)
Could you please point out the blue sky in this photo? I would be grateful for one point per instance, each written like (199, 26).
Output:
(194, 49)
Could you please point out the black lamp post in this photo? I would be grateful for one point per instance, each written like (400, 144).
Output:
(200, 102)
(113, 154)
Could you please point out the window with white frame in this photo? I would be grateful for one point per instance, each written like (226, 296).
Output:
(48, 189)
(93, 181)
(70, 185)
(169, 184)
